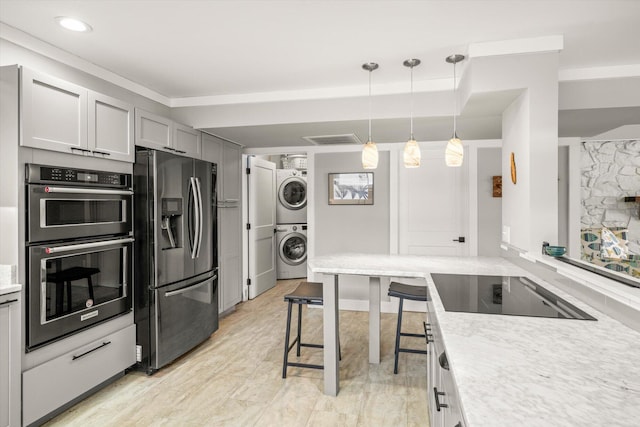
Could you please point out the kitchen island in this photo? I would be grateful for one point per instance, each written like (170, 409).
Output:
(508, 370)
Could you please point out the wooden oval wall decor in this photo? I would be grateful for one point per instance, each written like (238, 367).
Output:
(514, 179)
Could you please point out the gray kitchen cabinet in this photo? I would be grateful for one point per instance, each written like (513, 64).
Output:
(153, 131)
(10, 354)
(212, 149)
(231, 172)
(61, 116)
(110, 127)
(160, 133)
(54, 113)
(229, 256)
(187, 141)
(53, 384)
(228, 157)
(230, 221)
(442, 393)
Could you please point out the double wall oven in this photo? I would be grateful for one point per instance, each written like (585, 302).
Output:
(79, 249)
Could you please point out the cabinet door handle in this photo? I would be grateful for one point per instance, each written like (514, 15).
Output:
(104, 344)
(460, 239)
(8, 301)
(427, 329)
(104, 153)
(437, 395)
(82, 150)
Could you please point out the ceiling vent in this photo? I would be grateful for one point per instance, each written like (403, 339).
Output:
(349, 138)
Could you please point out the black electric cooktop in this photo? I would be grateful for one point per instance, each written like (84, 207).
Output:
(506, 295)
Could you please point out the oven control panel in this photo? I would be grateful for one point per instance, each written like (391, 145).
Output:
(51, 174)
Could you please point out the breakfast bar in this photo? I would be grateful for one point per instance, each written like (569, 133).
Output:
(507, 369)
(376, 266)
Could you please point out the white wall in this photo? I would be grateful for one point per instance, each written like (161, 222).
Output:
(351, 228)
(530, 131)
(515, 197)
(489, 218)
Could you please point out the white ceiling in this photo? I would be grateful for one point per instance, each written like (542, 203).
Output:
(220, 49)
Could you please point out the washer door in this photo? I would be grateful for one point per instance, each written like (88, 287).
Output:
(293, 249)
(293, 193)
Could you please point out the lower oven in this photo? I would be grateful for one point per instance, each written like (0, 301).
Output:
(73, 285)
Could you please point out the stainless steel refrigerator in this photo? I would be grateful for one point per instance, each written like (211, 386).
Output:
(175, 256)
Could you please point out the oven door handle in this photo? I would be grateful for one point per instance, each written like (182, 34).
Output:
(67, 248)
(71, 190)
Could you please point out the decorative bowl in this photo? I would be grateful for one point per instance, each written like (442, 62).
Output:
(555, 250)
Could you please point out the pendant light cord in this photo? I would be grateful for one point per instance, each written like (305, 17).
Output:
(455, 101)
(370, 105)
(412, 103)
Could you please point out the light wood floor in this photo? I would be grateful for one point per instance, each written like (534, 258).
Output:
(235, 378)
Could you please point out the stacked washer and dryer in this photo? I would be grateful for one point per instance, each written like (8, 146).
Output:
(291, 218)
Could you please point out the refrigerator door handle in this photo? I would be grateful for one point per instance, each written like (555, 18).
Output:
(192, 185)
(190, 287)
(200, 216)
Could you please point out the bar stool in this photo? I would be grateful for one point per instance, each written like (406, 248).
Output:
(306, 293)
(415, 293)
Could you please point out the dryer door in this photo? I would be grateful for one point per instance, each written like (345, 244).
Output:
(293, 193)
(293, 248)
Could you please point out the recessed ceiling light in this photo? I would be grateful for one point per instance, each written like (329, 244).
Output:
(73, 24)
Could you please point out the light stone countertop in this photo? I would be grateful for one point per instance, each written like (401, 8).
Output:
(7, 289)
(522, 371)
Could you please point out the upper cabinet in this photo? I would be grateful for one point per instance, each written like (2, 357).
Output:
(61, 116)
(211, 149)
(161, 133)
(187, 140)
(228, 157)
(153, 131)
(231, 172)
(110, 127)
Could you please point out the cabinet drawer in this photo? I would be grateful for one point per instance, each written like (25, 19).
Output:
(49, 386)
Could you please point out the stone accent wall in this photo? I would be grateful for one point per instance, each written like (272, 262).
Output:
(610, 172)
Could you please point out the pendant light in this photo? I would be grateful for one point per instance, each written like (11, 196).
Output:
(370, 151)
(455, 152)
(411, 148)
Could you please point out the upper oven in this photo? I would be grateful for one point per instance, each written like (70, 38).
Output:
(66, 203)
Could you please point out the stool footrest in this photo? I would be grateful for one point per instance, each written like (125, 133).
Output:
(311, 345)
(410, 350)
(305, 365)
(412, 335)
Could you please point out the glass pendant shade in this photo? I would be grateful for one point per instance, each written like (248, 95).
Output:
(454, 153)
(370, 155)
(411, 154)
(411, 148)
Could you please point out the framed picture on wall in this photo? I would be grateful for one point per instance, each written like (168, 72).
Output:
(354, 188)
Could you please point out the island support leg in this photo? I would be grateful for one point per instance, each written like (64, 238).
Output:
(330, 325)
(374, 320)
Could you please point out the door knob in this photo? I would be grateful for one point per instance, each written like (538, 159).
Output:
(459, 239)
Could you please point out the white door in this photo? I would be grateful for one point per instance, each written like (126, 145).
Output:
(262, 226)
(433, 208)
